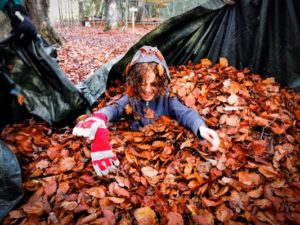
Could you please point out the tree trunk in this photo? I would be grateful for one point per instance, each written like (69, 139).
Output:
(38, 12)
(5, 26)
(141, 10)
(112, 14)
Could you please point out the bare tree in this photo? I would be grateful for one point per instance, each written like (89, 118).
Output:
(112, 14)
(38, 12)
(141, 10)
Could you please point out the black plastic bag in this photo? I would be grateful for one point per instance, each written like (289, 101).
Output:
(261, 35)
(11, 191)
(33, 72)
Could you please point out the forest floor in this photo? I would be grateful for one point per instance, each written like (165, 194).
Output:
(88, 48)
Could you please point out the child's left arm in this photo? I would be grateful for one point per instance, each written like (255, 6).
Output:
(192, 120)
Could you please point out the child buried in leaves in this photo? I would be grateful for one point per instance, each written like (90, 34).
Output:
(148, 98)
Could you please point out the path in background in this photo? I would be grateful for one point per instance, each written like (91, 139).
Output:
(86, 48)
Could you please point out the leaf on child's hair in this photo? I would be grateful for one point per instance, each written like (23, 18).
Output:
(128, 109)
(160, 69)
(127, 68)
(129, 91)
(149, 113)
(143, 51)
(159, 55)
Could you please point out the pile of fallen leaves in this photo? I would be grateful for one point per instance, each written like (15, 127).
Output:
(166, 175)
(88, 48)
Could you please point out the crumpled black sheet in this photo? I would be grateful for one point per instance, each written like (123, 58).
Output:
(34, 73)
(11, 191)
(263, 35)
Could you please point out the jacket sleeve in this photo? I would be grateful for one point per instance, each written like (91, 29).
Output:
(187, 117)
(114, 111)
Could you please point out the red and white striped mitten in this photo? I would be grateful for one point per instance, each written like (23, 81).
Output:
(103, 159)
(94, 128)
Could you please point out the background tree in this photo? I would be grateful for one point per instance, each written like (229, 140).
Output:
(38, 11)
(112, 14)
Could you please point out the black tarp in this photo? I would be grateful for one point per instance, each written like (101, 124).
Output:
(263, 35)
(33, 72)
(11, 191)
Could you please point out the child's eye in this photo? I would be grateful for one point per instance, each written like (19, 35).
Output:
(154, 84)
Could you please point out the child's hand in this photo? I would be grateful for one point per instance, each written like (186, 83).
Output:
(89, 126)
(211, 136)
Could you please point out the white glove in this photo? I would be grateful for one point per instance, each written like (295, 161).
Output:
(211, 136)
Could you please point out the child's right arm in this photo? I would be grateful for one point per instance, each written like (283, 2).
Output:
(114, 111)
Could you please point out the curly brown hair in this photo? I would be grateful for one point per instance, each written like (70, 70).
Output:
(134, 79)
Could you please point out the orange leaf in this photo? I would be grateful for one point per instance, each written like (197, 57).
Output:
(21, 99)
(249, 178)
(268, 171)
(160, 69)
(259, 147)
(50, 185)
(223, 62)
(145, 216)
(96, 192)
(190, 100)
(149, 113)
(181, 92)
(149, 171)
(129, 91)
(223, 213)
(278, 129)
(128, 109)
(67, 164)
(206, 62)
(175, 218)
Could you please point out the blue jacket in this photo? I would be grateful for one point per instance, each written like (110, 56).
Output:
(169, 106)
(2, 3)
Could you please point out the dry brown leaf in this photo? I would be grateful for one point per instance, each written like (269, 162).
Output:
(233, 120)
(175, 218)
(249, 178)
(67, 163)
(50, 185)
(223, 62)
(206, 62)
(223, 213)
(96, 192)
(149, 113)
(149, 171)
(268, 171)
(145, 216)
(116, 200)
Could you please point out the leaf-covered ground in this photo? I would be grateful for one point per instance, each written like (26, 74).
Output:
(86, 49)
(166, 175)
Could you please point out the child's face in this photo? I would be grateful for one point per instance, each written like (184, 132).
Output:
(149, 86)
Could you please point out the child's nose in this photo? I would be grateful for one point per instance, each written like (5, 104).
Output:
(148, 88)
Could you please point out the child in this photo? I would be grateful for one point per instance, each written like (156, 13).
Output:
(148, 79)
